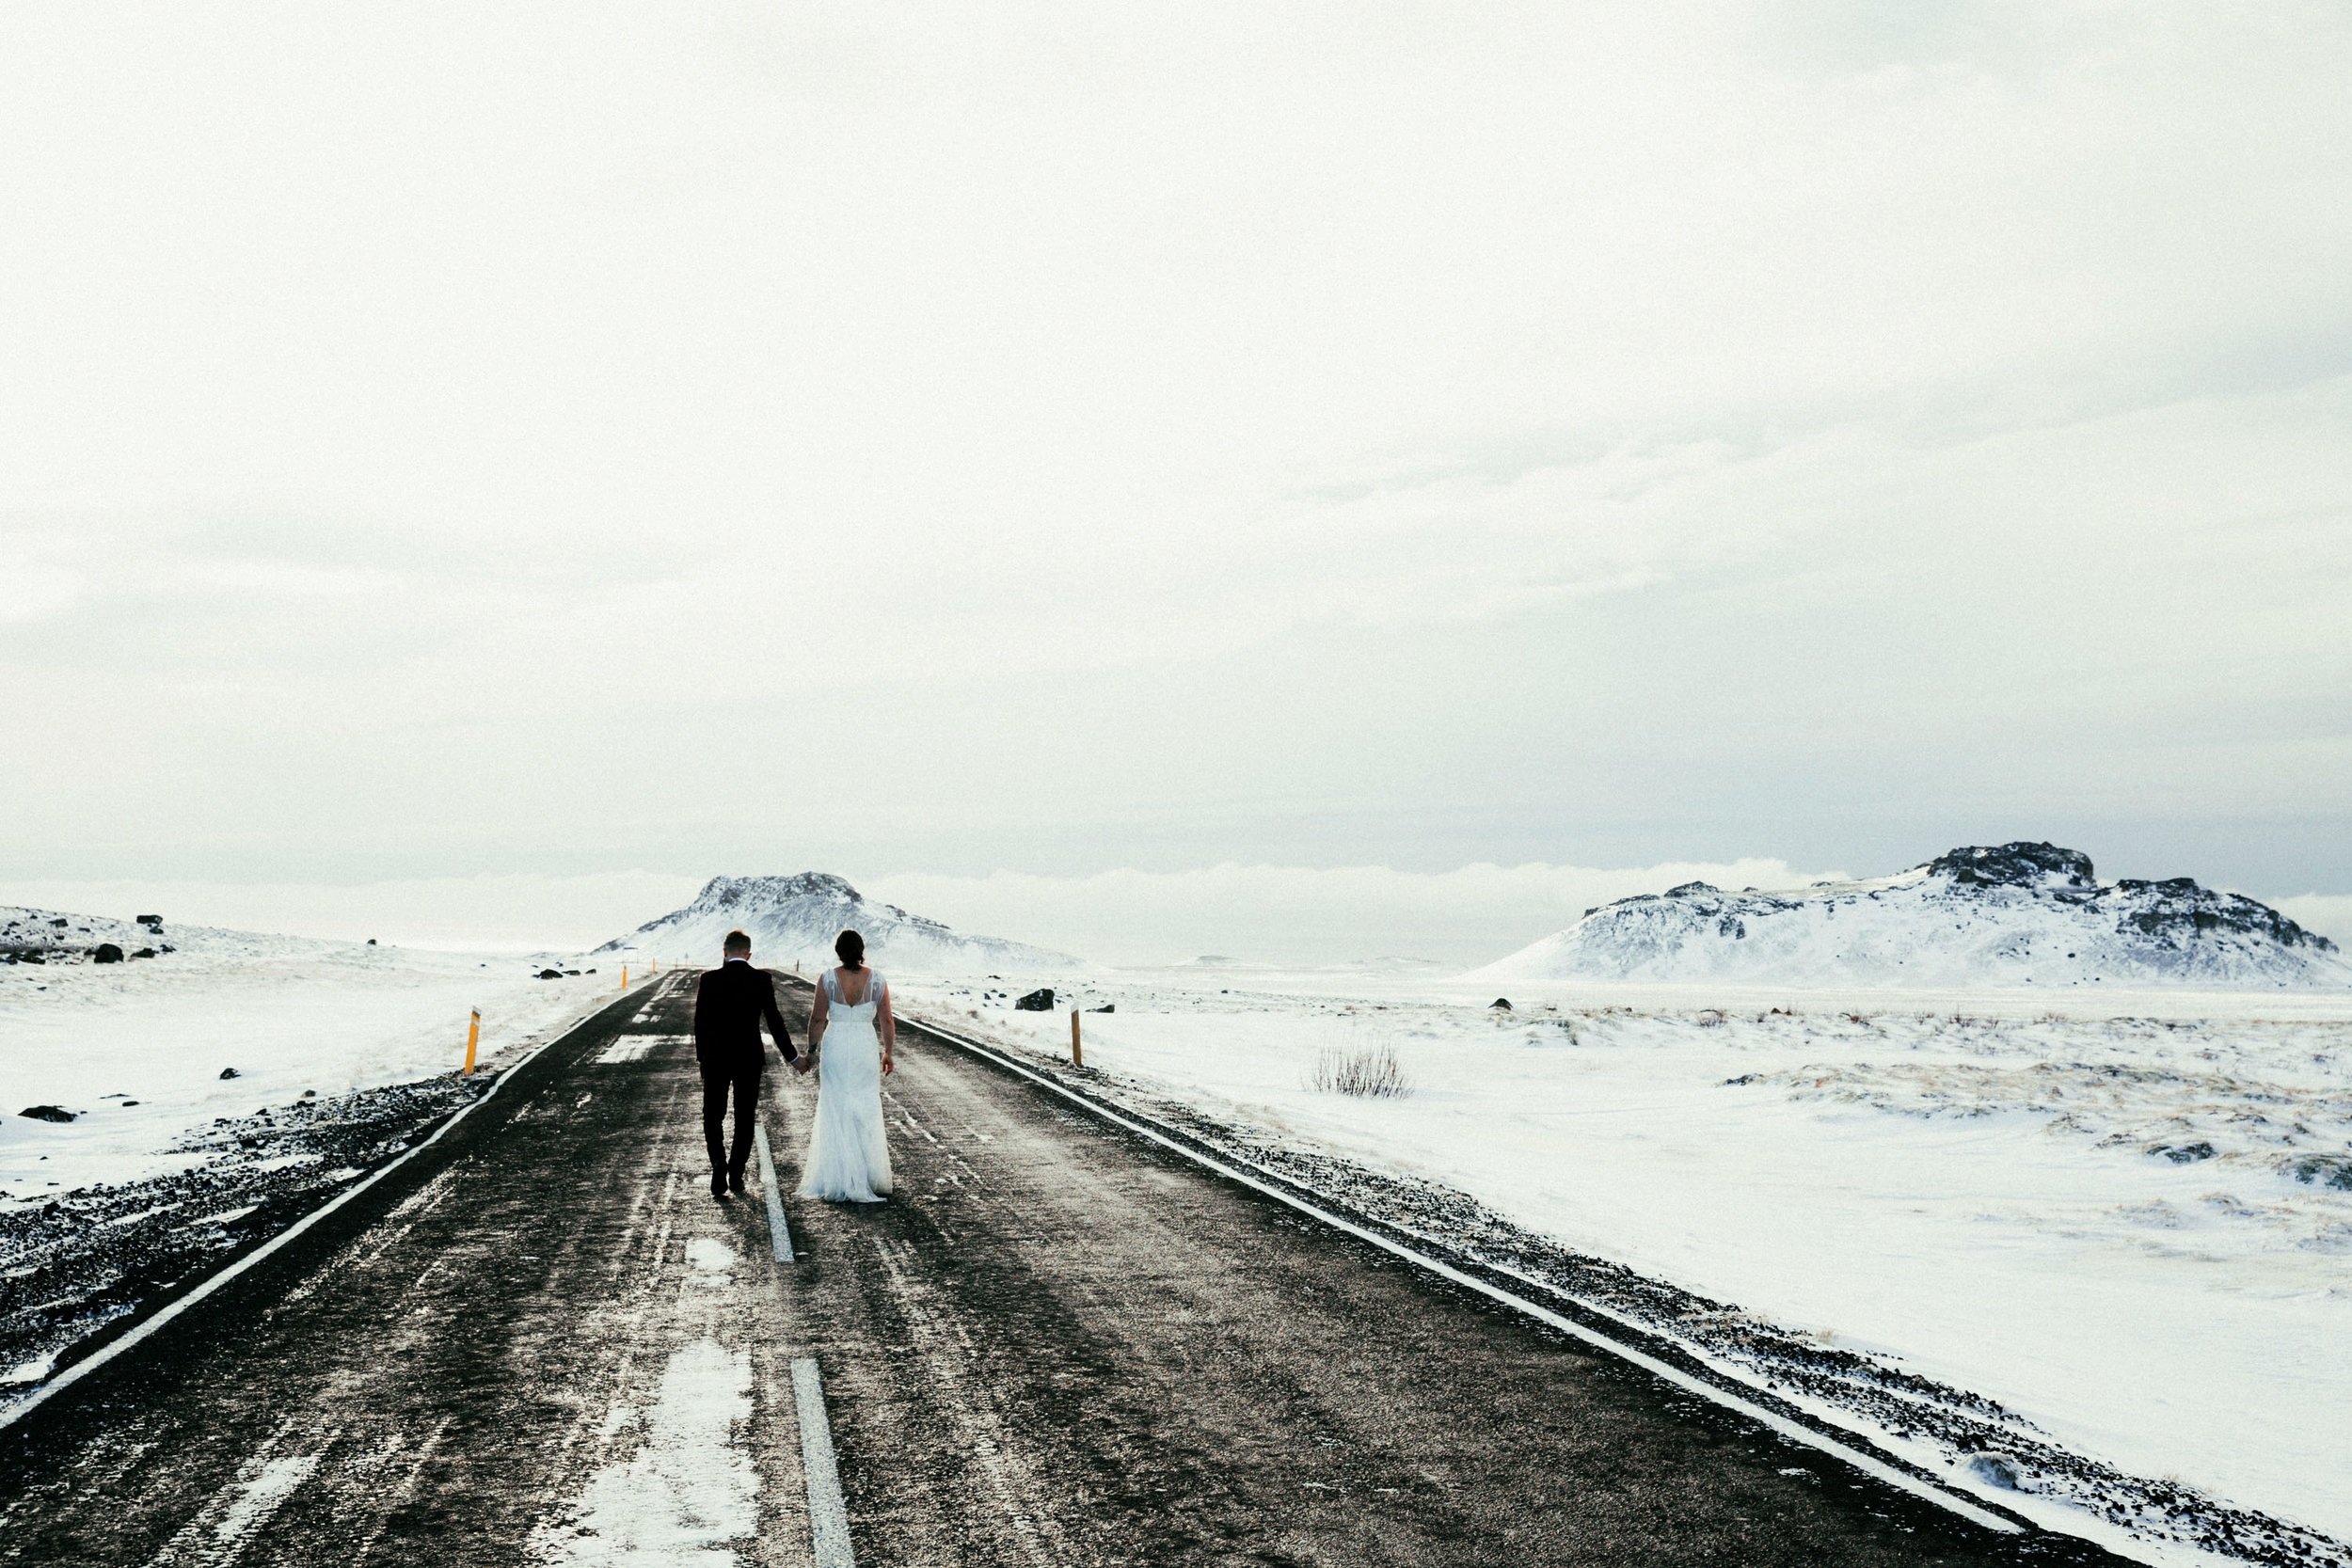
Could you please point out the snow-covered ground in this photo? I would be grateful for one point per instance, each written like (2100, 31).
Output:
(2128, 1219)
(135, 1050)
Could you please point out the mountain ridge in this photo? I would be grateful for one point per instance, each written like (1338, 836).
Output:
(2025, 913)
(793, 919)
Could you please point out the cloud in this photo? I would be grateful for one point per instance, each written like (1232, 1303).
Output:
(1312, 433)
(506, 913)
(1274, 915)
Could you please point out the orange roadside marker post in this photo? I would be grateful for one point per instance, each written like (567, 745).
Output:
(1077, 1052)
(473, 1039)
(624, 976)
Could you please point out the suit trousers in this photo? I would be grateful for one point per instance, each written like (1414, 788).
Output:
(717, 1081)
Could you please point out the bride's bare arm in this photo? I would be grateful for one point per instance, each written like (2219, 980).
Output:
(889, 1025)
(818, 1011)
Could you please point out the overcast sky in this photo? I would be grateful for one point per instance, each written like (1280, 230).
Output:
(482, 439)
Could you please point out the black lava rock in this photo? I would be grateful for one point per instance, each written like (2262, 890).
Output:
(1106, 1008)
(105, 952)
(2324, 1170)
(1037, 1001)
(550, 974)
(154, 920)
(144, 953)
(230, 1073)
(2019, 864)
(48, 1113)
(1501, 1004)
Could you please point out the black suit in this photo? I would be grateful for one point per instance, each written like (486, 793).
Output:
(729, 1003)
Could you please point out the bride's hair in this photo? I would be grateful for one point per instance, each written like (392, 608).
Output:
(852, 949)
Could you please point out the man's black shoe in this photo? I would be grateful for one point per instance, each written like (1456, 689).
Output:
(735, 1182)
(718, 1184)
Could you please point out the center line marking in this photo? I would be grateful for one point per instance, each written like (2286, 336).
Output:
(827, 1514)
(778, 1232)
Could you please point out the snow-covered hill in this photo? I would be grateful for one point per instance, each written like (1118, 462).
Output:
(793, 920)
(2012, 915)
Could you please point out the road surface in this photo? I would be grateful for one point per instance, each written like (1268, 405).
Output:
(540, 1341)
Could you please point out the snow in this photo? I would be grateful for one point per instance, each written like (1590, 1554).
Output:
(137, 1048)
(1982, 1186)
(690, 1488)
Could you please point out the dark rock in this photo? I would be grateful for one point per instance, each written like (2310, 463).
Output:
(550, 974)
(1501, 1003)
(2322, 1170)
(1688, 889)
(105, 952)
(371, 942)
(48, 1113)
(1037, 1001)
(2177, 912)
(2020, 863)
(2184, 1154)
(1994, 1469)
(58, 923)
(154, 920)
(1106, 1008)
(144, 953)
(31, 958)
(571, 971)
(230, 1073)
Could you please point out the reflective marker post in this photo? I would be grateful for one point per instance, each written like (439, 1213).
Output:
(1077, 1051)
(473, 1037)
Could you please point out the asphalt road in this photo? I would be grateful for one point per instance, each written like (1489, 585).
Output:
(540, 1341)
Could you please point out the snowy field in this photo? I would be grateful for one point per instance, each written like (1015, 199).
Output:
(2127, 1219)
(137, 1050)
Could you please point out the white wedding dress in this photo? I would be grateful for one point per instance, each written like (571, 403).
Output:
(849, 1159)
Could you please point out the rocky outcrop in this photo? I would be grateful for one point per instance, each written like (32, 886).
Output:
(2020, 913)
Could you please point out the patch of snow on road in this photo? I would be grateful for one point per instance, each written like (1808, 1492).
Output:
(223, 1527)
(688, 1492)
(707, 1255)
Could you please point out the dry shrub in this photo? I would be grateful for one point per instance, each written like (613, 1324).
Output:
(1370, 1071)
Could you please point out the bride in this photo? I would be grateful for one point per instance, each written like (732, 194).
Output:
(851, 1033)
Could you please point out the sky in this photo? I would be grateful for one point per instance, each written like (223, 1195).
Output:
(447, 442)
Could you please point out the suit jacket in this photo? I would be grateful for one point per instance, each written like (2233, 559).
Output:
(729, 1001)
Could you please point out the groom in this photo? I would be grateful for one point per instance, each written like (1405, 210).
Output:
(728, 1005)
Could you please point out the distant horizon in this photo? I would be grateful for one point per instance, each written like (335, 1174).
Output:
(1467, 915)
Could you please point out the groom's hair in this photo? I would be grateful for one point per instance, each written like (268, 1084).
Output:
(737, 942)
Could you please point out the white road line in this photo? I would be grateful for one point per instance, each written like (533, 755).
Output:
(778, 1232)
(105, 1353)
(1797, 1432)
(628, 1048)
(827, 1514)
